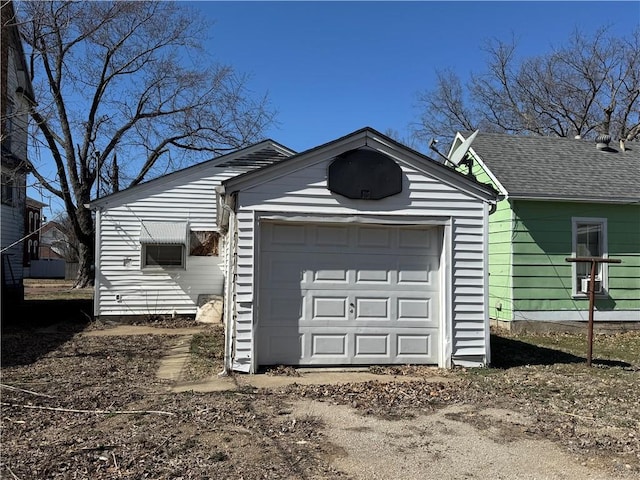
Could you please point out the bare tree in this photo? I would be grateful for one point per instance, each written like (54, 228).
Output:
(129, 78)
(588, 87)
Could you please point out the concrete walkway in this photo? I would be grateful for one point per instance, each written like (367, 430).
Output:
(333, 376)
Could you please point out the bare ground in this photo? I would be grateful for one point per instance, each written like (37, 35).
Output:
(91, 407)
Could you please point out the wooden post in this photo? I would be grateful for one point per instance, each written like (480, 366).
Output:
(592, 294)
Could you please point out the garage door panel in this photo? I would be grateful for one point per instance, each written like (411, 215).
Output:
(328, 345)
(417, 271)
(372, 345)
(371, 309)
(282, 310)
(371, 276)
(287, 234)
(373, 237)
(352, 294)
(329, 308)
(405, 309)
(414, 309)
(414, 345)
(330, 235)
(280, 347)
(419, 239)
(332, 275)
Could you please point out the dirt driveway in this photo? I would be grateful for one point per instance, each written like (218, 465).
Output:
(451, 444)
(92, 406)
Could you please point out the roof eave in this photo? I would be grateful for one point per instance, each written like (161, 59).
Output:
(556, 198)
(212, 163)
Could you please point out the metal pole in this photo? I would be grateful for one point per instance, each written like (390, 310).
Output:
(592, 296)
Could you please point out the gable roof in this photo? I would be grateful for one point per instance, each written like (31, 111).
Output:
(370, 137)
(560, 168)
(246, 159)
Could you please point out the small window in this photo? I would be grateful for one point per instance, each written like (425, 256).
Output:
(204, 243)
(589, 240)
(7, 189)
(163, 256)
(163, 244)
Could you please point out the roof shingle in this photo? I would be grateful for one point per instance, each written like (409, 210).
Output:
(561, 168)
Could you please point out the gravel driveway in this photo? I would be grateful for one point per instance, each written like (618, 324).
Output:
(443, 446)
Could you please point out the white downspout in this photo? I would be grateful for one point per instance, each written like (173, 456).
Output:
(230, 220)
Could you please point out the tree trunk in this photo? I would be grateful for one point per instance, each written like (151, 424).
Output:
(86, 269)
(85, 232)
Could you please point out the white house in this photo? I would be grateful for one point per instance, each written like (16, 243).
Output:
(16, 97)
(360, 251)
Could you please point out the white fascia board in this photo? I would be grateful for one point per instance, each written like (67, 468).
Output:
(140, 189)
(441, 172)
(503, 191)
(551, 198)
(360, 139)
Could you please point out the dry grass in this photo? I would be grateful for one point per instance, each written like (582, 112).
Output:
(54, 289)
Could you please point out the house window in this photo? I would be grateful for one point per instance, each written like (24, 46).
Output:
(589, 240)
(163, 244)
(7, 189)
(204, 243)
(163, 256)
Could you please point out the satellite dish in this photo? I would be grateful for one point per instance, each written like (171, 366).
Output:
(459, 153)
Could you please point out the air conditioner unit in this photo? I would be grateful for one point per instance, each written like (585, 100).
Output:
(584, 285)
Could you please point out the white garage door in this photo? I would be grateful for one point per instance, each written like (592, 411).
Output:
(340, 294)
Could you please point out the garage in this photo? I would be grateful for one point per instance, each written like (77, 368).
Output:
(348, 294)
(358, 252)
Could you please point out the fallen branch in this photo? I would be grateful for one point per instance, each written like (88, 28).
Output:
(98, 412)
(13, 474)
(584, 417)
(3, 385)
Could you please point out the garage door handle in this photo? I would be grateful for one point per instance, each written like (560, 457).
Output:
(352, 308)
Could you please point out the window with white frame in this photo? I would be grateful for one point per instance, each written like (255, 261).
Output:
(589, 237)
(163, 245)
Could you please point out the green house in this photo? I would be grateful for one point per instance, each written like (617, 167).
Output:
(561, 198)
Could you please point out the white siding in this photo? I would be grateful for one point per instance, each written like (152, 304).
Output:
(13, 216)
(304, 191)
(11, 231)
(191, 199)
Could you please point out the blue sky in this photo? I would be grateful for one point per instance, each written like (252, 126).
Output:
(333, 67)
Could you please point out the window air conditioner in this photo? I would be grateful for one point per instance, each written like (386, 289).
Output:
(584, 287)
